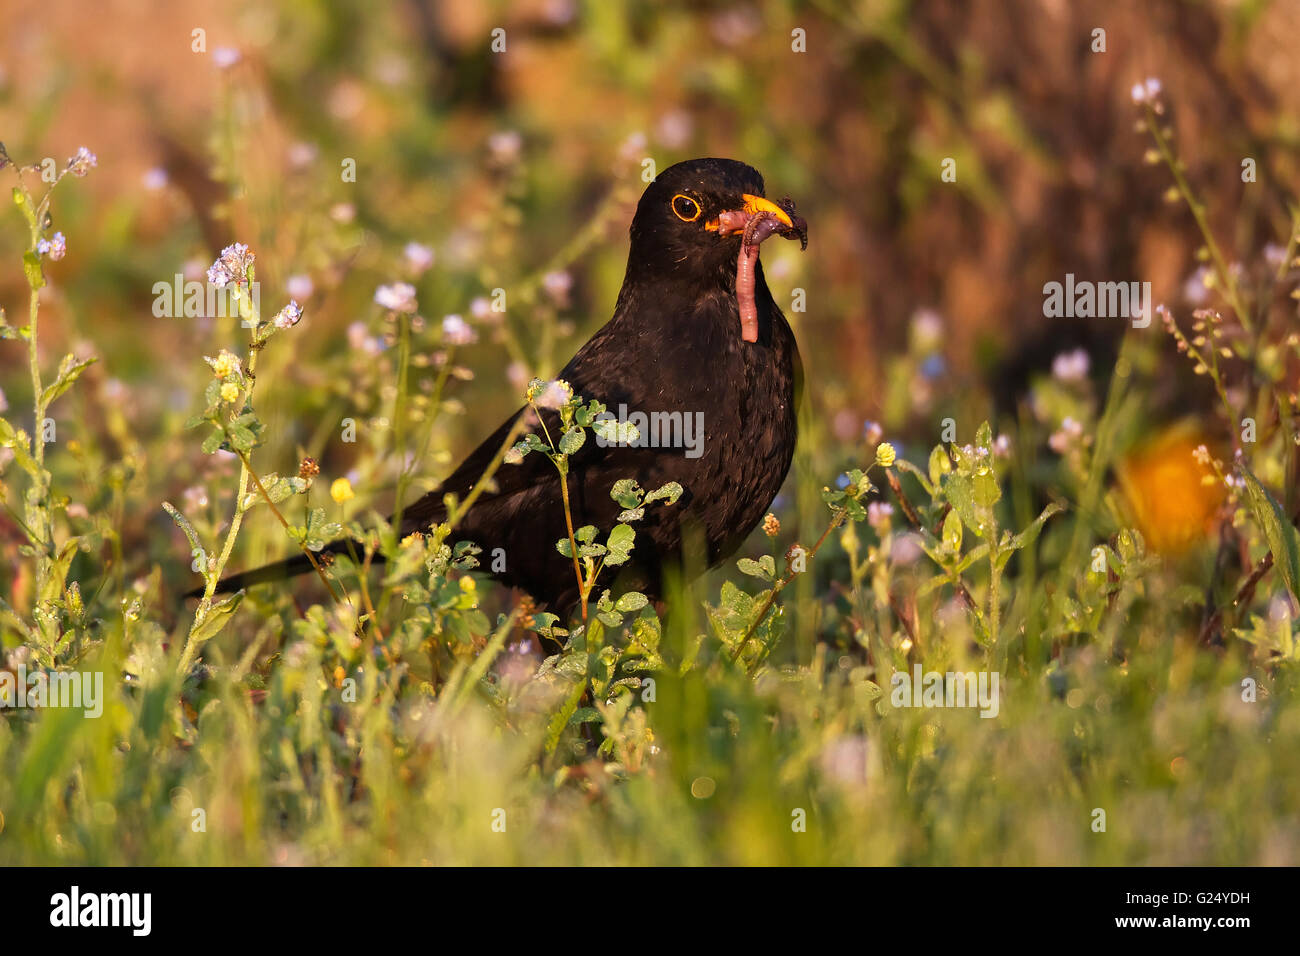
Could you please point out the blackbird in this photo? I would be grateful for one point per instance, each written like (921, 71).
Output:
(696, 332)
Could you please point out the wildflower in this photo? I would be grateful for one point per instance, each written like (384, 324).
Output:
(1065, 436)
(341, 490)
(879, 514)
(1002, 446)
(83, 162)
(632, 148)
(229, 392)
(516, 375)
(872, 432)
(55, 248)
(418, 257)
(238, 259)
(674, 129)
(154, 178)
(1146, 91)
(456, 331)
(225, 364)
(289, 316)
(771, 525)
(308, 469)
(885, 454)
(299, 286)
(504, 146)
(927, 330)
(557, 284)
(1071, 366)
(552, 395)
(398, 297)
(302, 155)
(1201, 454)
(218, 275)
(224, 57)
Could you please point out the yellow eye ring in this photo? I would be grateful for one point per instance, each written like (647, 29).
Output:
(687, 204)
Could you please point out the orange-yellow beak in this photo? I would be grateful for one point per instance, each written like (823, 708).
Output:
(735, 220)
(757, 204)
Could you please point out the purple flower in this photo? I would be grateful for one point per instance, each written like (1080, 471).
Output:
(225, 57)
(55, 248)
(299, 286)
(398, 297)
(218, 276)
(418, 257)
(289, 316)
(83, 162)
(456, 331)
(1071, 366)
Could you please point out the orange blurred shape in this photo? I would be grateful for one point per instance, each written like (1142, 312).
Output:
(1167, 495)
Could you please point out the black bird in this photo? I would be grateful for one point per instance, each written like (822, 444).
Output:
(695, 329)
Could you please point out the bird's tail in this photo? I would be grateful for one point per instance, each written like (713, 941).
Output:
(277, 570)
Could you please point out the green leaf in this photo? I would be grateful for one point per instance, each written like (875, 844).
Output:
(573, 440)
(1282, 537)
(183, 523)
(627, 493)
(560, 719)
(70, 370)
(952, 532)
(32, 269)
(620, 544)
(1029, 535)
(940, 465)
(631, 601)
(669, 492)
(219, 613)
(764, 568)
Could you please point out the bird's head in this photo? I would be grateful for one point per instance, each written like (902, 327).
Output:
(692, 220)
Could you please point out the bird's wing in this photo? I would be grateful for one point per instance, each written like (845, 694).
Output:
(535, 472)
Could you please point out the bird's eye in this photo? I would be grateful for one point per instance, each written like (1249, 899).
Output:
(685, 208)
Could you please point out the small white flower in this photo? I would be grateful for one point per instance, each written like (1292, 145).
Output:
(505, 145)
(556, 394)
(418, 257)
(456, 331)
(397, 297)
(299, 286)
(1071, 366)
(82, 162)
(224, 57)
(557, 284)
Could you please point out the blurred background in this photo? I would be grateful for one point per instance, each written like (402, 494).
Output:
(518, 169)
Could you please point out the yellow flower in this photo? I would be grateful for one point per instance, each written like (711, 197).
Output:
(225, 364)
(885, 454)
(771, 525)
(341, 490)
(229, 392)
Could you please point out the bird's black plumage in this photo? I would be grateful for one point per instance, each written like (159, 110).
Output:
(674, 344)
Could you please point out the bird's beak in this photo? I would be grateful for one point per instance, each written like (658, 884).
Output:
(755, 207)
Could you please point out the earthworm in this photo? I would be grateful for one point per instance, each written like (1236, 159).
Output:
(760, 226)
